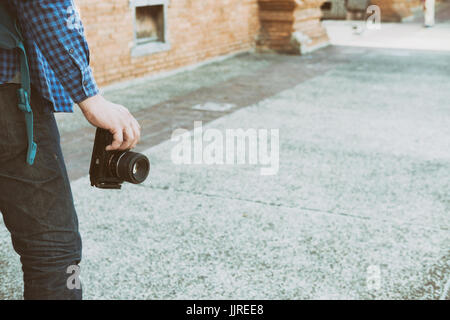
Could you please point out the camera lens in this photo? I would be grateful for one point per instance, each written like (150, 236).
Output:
(130, 166)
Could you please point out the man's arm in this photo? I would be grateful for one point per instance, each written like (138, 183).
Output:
(57, 31)
(59, 34)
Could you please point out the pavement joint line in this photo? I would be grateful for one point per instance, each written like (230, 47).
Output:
(326, 212)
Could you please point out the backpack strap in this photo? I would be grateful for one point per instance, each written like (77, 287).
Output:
(23, 95)
(11, 38)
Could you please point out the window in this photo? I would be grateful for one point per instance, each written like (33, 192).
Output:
(326, 6)
(150, 26)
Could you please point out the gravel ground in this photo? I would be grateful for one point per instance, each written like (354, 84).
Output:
(362, 194)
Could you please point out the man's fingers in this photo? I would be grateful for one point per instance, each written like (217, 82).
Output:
(117, 140)
(128, 138)
(136, 131)
(125, 136)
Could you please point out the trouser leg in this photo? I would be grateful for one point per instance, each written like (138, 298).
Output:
(36, 202)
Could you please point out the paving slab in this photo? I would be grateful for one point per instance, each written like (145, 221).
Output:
(346, 145)
(243, 81)
(166, 244)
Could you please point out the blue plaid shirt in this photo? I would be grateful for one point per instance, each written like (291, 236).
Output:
(57, 51)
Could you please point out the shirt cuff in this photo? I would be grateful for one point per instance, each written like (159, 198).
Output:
(83, 88)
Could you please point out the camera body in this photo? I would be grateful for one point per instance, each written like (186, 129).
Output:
(110, 169)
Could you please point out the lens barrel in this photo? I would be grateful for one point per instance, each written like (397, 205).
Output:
(129, 166)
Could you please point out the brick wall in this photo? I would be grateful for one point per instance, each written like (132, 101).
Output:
(291, 26)
(396, 10)
(197, 30)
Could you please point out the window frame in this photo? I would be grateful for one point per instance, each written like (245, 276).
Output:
(143, 47)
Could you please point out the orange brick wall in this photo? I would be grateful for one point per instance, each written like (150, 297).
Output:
(197, 30)
(282, 20)
(413, 4)
(396, 10)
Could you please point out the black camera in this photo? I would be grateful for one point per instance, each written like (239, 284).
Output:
(109, 169)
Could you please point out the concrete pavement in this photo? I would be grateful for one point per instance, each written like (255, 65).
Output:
(363, 184)
(360, 208)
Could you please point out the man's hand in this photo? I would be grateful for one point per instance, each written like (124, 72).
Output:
(115, 118)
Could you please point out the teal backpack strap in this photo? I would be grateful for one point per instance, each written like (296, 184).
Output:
(23, 95)
(11, 38)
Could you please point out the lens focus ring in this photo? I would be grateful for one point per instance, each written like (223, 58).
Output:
(130, 166)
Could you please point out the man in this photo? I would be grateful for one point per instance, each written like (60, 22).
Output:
(36, 200)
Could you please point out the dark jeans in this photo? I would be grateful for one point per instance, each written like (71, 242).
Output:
(36, 201)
